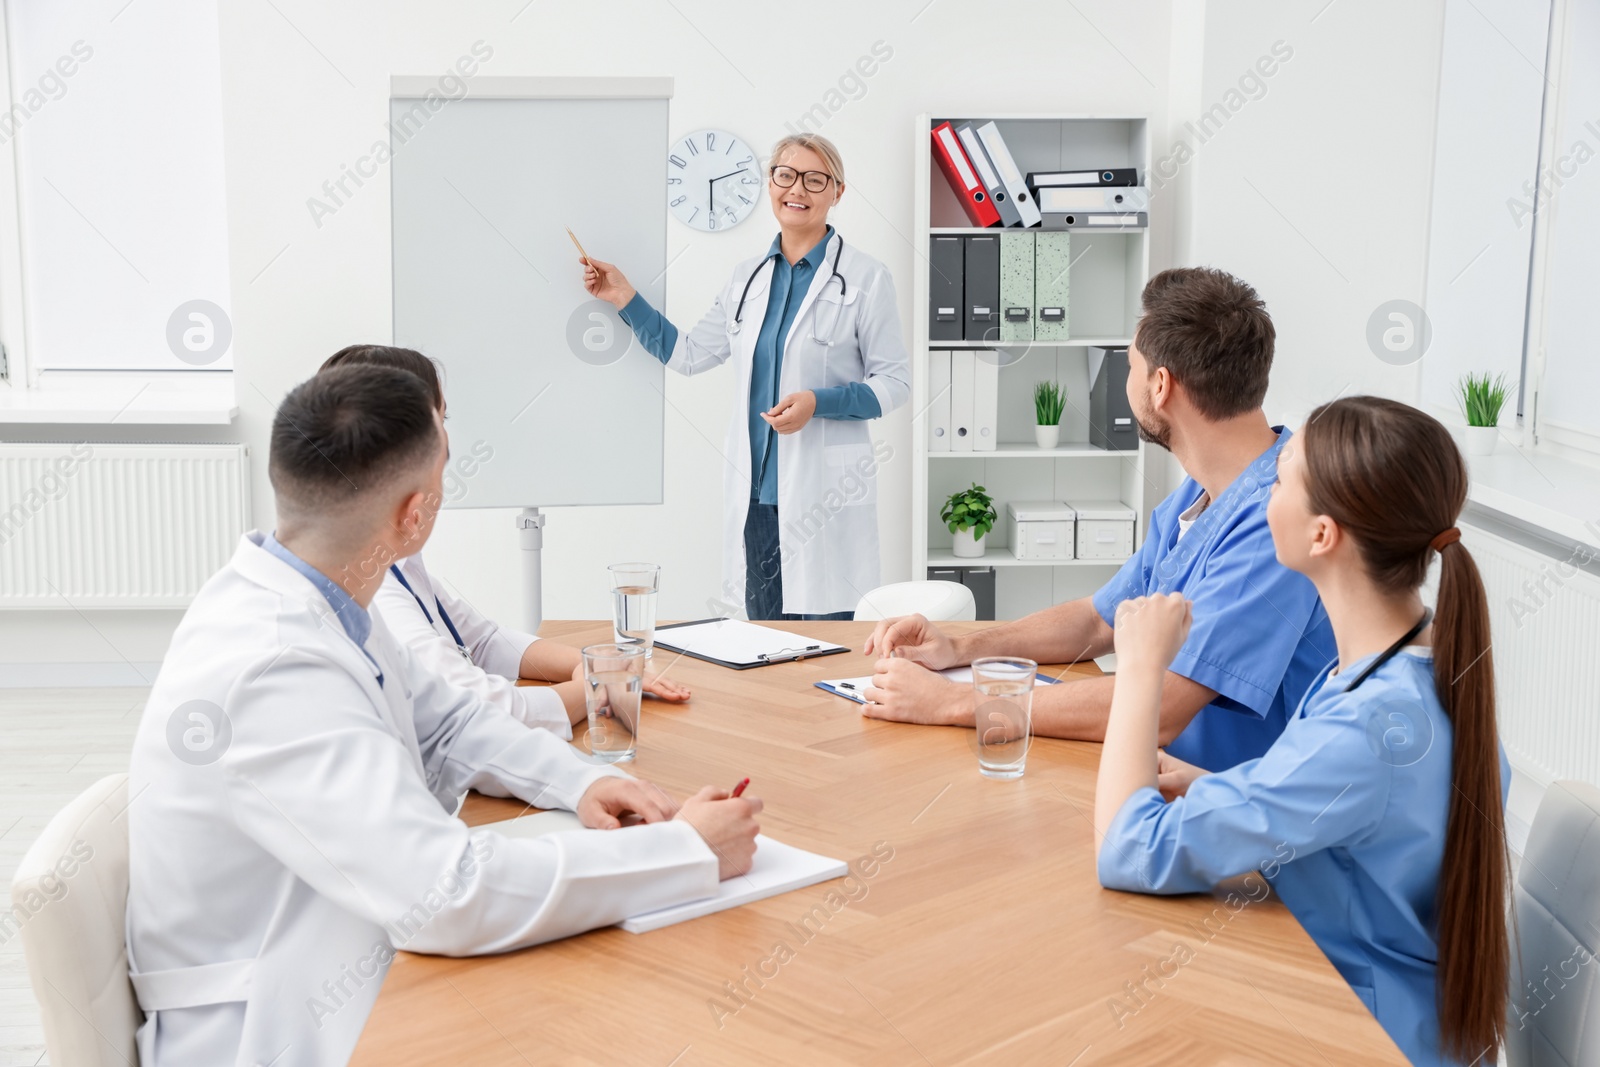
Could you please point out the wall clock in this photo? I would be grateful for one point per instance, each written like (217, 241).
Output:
(713, 180)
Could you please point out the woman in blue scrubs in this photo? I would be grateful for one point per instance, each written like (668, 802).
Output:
(1378, 814)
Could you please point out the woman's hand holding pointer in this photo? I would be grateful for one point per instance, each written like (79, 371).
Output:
(604, 281)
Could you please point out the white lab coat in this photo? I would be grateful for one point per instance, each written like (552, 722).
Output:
(267, 887)
(496, 650)
(828, 471)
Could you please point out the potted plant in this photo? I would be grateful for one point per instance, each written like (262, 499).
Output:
(1048, 401)
(970, 515)
(1481, 399)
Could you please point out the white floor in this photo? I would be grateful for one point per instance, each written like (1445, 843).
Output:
(54, 743)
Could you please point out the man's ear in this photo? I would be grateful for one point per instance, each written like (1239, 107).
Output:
(1162, 385)
(413, 513)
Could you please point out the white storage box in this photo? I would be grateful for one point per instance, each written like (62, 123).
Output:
(1105, 529)
(1040, 529)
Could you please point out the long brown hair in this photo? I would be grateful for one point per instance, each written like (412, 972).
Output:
(1392, 479)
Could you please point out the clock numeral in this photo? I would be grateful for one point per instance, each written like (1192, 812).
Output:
(676, 162)
(711, 142)
(711, 221)
(750, 180)
(693, 213)
(744, 199)
(747, 159)
(678, 201)
(694, 149)
(674, 181)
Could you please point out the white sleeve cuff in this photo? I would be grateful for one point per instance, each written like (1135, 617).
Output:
(502, 653)
(540, 707)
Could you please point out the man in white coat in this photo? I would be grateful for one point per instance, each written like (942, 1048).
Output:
(295, 769)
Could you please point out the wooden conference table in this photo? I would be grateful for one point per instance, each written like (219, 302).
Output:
(985, 939)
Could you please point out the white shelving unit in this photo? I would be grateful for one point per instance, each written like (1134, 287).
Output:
(1108, 272)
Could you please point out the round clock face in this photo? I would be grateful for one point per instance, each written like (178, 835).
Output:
(713, 180)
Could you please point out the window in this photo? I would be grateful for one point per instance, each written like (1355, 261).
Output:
(113, 240)
(1513, 261)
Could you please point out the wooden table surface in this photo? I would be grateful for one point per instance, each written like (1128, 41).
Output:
(985, 939)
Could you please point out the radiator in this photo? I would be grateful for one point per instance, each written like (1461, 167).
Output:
(117, 525)
(1545, 619)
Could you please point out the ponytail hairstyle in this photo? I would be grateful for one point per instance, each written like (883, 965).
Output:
(1392, 479)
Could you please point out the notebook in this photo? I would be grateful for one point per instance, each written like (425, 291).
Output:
(855, 688)
(778, 868)
(740, 645)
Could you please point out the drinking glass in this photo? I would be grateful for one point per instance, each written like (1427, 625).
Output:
(633, 603)
(1003, 720)
(614, 686)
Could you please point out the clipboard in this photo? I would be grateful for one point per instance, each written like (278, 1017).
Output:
(740, 645)
(856, 688)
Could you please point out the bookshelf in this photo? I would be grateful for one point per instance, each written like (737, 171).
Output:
(1108, 270)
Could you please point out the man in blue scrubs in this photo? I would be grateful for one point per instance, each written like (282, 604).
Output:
(1197, 377)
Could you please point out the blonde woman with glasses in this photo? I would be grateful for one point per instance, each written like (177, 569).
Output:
(814, 334)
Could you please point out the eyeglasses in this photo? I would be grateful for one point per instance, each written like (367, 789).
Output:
(815, 181)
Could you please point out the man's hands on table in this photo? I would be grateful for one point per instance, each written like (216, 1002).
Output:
(905, 684)
(726, 823)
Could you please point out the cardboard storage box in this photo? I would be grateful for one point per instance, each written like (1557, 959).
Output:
(1040, 529)
(1105, 529)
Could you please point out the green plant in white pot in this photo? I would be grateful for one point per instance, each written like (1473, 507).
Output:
(1481, 399)
(969, 514)
(1049, 400)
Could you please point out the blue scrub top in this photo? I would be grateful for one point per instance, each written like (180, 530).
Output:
(1345, 815)
(1260, 635)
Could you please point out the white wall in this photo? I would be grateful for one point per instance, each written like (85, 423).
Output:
(1317, 192)
(305, 93)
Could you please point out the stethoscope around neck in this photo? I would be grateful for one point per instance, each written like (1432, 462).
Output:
(738, 314)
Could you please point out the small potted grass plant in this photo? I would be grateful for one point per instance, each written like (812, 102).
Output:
(969, 514)
(1049, 399)
(1481, 399)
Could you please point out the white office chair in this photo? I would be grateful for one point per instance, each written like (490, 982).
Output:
(937, 601)
(1555, 987)
(70, 897)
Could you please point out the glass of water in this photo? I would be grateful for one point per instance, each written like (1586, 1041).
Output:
(1003, 718)
(633, 603)
(614, 685)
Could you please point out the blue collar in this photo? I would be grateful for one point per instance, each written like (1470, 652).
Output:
(352, 616)
(1248, 487)
(812, 258)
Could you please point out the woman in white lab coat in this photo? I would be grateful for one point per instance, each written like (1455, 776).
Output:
(814, 332)
(452, 638)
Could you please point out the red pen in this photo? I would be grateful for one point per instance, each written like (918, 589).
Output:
(740, 787)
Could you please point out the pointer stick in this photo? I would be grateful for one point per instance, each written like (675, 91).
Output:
(581, 252)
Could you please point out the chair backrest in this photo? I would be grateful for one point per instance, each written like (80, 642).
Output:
(937, 601)
(1555, 996)
(70, 899)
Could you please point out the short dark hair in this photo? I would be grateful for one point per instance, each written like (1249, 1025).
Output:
(1213, 333)
(349, 430)
(389, 356)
